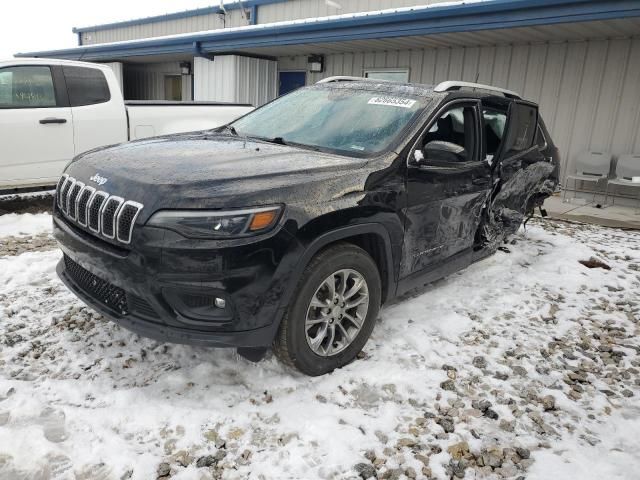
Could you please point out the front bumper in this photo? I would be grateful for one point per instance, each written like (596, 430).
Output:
(149, 288)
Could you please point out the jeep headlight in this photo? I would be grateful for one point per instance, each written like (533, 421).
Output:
(217, 224)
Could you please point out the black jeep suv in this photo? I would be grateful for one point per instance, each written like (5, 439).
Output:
(293, 225)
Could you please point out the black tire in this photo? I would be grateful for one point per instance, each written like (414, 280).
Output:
(290, 345)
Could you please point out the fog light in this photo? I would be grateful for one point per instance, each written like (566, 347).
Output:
(220, 302)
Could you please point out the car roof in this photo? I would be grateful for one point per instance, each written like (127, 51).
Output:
(49, 61)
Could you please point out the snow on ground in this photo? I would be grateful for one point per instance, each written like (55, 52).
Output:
(525, 365)
(22, 225)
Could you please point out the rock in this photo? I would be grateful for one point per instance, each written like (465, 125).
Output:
(422, 458)
(501, 376)
(479, 362)
(448, 385)
(627, 393)
(491, 458)
(458, 450)
(410, 473)
(481, 405)
(573, 395)
(381, 436)
(206, 461)
(164, 469)
(457, 468)
(182, 458)
(520, 371)
(407, 442)
(523, 453)
(366, 470)
(507, 426)
(446, 424)
(548, 402)
(492, 414)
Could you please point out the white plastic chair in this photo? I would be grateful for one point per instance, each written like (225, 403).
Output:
(627, 169)
(591, 167)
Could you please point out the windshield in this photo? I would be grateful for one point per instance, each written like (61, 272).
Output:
(351, 121)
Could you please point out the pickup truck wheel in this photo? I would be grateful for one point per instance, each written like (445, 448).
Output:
(333, 311)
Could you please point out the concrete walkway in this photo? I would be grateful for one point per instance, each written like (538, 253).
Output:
(578, 210)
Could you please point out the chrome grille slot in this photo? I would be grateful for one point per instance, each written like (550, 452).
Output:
(111, 216)
(59, 187)
(126, 219)
(73, 197)
(83, 201)
(64, 196)
(108, 217)
(94, 209)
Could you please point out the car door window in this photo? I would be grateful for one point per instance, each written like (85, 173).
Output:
(455, 126)
(86, 86)
(494, 122)
(26, 87)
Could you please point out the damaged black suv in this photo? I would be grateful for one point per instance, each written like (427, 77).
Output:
(291, 226)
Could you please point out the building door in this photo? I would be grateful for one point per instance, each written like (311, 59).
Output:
(290, 81)
(173, 87)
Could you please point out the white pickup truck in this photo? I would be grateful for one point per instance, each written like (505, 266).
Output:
(53, 110)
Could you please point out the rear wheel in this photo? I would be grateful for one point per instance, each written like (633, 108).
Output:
(333, 311)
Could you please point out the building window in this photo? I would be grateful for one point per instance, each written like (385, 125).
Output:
(392, 74)
(173, 87)
(26, 87)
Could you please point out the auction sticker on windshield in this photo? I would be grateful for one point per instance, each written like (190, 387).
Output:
(392, 101)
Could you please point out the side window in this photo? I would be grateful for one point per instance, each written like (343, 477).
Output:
(86, 86)
(454, 128)
(494, 122)
(523, 125)
(26, 87)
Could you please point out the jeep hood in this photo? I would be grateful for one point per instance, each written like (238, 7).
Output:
(207, 170)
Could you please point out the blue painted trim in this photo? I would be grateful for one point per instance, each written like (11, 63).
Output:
(254, 14)
(79, 39)
(492, 15)
(178, 15)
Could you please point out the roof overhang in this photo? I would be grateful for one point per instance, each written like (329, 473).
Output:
(388, 24)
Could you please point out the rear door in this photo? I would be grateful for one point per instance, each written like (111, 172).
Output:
(99, 115)
(445, 194)
(518, 152)
(36, 126)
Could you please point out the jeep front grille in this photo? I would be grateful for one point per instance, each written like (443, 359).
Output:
(107, 215)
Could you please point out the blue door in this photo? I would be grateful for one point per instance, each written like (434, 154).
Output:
(290, 81)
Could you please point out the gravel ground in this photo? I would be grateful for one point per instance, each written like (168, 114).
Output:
(525, 365)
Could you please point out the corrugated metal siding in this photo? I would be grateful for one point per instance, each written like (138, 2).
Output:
(146, 81)
(587, 91)
(212, 21)
(291, 10)
(231, 78)
(297, 9)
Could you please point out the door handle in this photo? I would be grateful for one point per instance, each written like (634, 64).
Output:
(47, 121)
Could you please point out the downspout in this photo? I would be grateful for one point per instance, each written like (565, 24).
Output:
(254, 15)
(79, 39)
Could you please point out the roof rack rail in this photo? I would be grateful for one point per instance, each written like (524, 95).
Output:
(455, 85)
(343, 78)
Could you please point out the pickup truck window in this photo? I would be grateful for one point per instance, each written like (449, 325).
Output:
(26, 87)
(455, 126)
(494, 123)
(345, 120)
(86, 86)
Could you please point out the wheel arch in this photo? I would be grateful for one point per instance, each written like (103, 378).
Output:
(371, 237)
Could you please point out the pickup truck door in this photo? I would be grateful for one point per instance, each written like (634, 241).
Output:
(445, 192)
(36, 125)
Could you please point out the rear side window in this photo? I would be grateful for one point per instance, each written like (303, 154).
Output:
(494, 124)
(523, 121)
(26, 87)
(86, 86)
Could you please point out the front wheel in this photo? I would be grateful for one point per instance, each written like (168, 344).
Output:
(333, 311)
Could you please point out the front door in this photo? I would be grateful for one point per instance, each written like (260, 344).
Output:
(447, 185)
(36, 127)
(290, 81)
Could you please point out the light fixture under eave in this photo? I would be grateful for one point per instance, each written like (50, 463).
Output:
(185, 68)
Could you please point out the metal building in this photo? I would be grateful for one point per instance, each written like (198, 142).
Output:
(579, 59)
